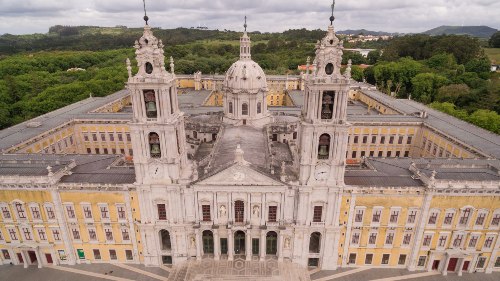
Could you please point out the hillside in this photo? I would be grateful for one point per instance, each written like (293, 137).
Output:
(475, 31)
(365, 32)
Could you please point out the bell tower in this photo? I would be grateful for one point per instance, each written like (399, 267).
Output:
(324, 127)
(157, 127)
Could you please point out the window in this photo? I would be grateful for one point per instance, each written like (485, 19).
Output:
(6, 213)
(407, 239)
(488, 242)
(97, 254)
(20, 210)
(374, 139)
(481, 262)
(259, 107)
(315, 242)
(495, 221)
(165, 240)
(448, 219)
(35, 212)
(391, 139)
(457, 242)
(92, 235)
(427, 240)
(272, 213)
(408, 140)
(239, 211)
(109, 234)
(382, 139)
(389, 238)
(317, 213)
(104, 212)
(394, 216)
(400, 140)
(41, 234)
(129, 255)
(402, 259)
(112, 255)
(433, 217)
(125, 234)
(1, 236)
(355, 139)
(230, 107)
(376, 215)
(497, 262)
(368, 258)
(120, 209)
(162, 211)
(352, 258)
(372, 239)
(103, 137)
(111, 137)
(94, 137)
(324, 146)
(473, 241)
(244, 109)
(480, 218)
(442, 241)
(87, 211)
(120, 138)
(365, 139)
(407, 154)
(127, 135)
(70, 211)
(50, 213)
(359, 215)
(464, 218)
(12, 234)
(76, 233)
(355, 238)
(412, 214)
(385, 258)
(55, 234)
(421, 260)
(205, 210)
(86, 137)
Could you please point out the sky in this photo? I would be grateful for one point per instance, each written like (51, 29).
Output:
(405, 16)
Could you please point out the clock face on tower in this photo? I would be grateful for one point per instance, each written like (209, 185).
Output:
(322, 172)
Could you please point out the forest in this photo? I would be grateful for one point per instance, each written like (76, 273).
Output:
(451, 73)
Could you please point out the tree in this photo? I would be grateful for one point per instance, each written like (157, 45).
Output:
(425, 86)
(451, 93)
(495, 40)
(373, 56)
(486, 119)
(357, 73)
(480, 65)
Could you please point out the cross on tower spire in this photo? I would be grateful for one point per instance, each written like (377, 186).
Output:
(245, 25)
(146, 18)
(332, 18)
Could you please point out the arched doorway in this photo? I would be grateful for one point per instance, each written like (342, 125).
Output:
(208, 242)
(271, 243)
(165, 240)
(315, 242)
(239, 242)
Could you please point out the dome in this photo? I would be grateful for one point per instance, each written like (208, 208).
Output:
(245, 75)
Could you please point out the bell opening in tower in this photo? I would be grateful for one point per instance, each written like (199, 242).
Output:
(324, 146)
(327, 104)
(154, 145)
(149, 68)
(150, 102)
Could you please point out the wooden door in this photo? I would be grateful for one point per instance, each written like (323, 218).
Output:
(20, 258)
(435, 265)
(466, 266)
(48, 257)
(452, 264)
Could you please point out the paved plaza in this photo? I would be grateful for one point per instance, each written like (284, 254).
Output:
(224, 270)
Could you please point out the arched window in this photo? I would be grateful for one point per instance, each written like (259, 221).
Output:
(259, 107)
(324, 146)
(271, 243)
(239, 211)
(150, 101)
(327, 105)
(315, 242)
(208, 242)
(154, 145)
(244, 109)
(165, 240)
(230, 107)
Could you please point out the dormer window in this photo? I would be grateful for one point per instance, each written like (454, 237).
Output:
(149, 68)
(329, 69)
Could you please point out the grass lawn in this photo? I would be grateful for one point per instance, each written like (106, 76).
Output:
(493, 54)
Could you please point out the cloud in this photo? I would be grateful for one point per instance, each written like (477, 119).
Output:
(30, 16)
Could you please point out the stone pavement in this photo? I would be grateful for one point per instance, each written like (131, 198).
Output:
(210, 270)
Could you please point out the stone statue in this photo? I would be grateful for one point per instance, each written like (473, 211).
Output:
(222, 211)
(193, 242)
(287, 243)
(256, 210)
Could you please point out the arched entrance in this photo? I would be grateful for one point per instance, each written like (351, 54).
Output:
(315, 242)
(239, 243)
(165, 240)
(271, 243)
(208, 242)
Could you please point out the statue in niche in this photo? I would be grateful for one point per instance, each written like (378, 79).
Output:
(287, 243)
(256, 210)
(193, 242)
(222, 211)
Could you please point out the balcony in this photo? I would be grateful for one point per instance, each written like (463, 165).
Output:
(317, 224)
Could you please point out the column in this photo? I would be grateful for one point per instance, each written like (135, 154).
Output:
(350, 220)
(38, 257)
(216, 245)
(262, 245)
(280, 247)
(25, 259)
(230, 245)
(198, 244)
(248, 246)
(445, 267)
(460, 266)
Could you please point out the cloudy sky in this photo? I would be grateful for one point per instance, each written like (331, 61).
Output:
(36, 16)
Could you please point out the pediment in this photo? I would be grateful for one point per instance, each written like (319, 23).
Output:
(240, 175)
